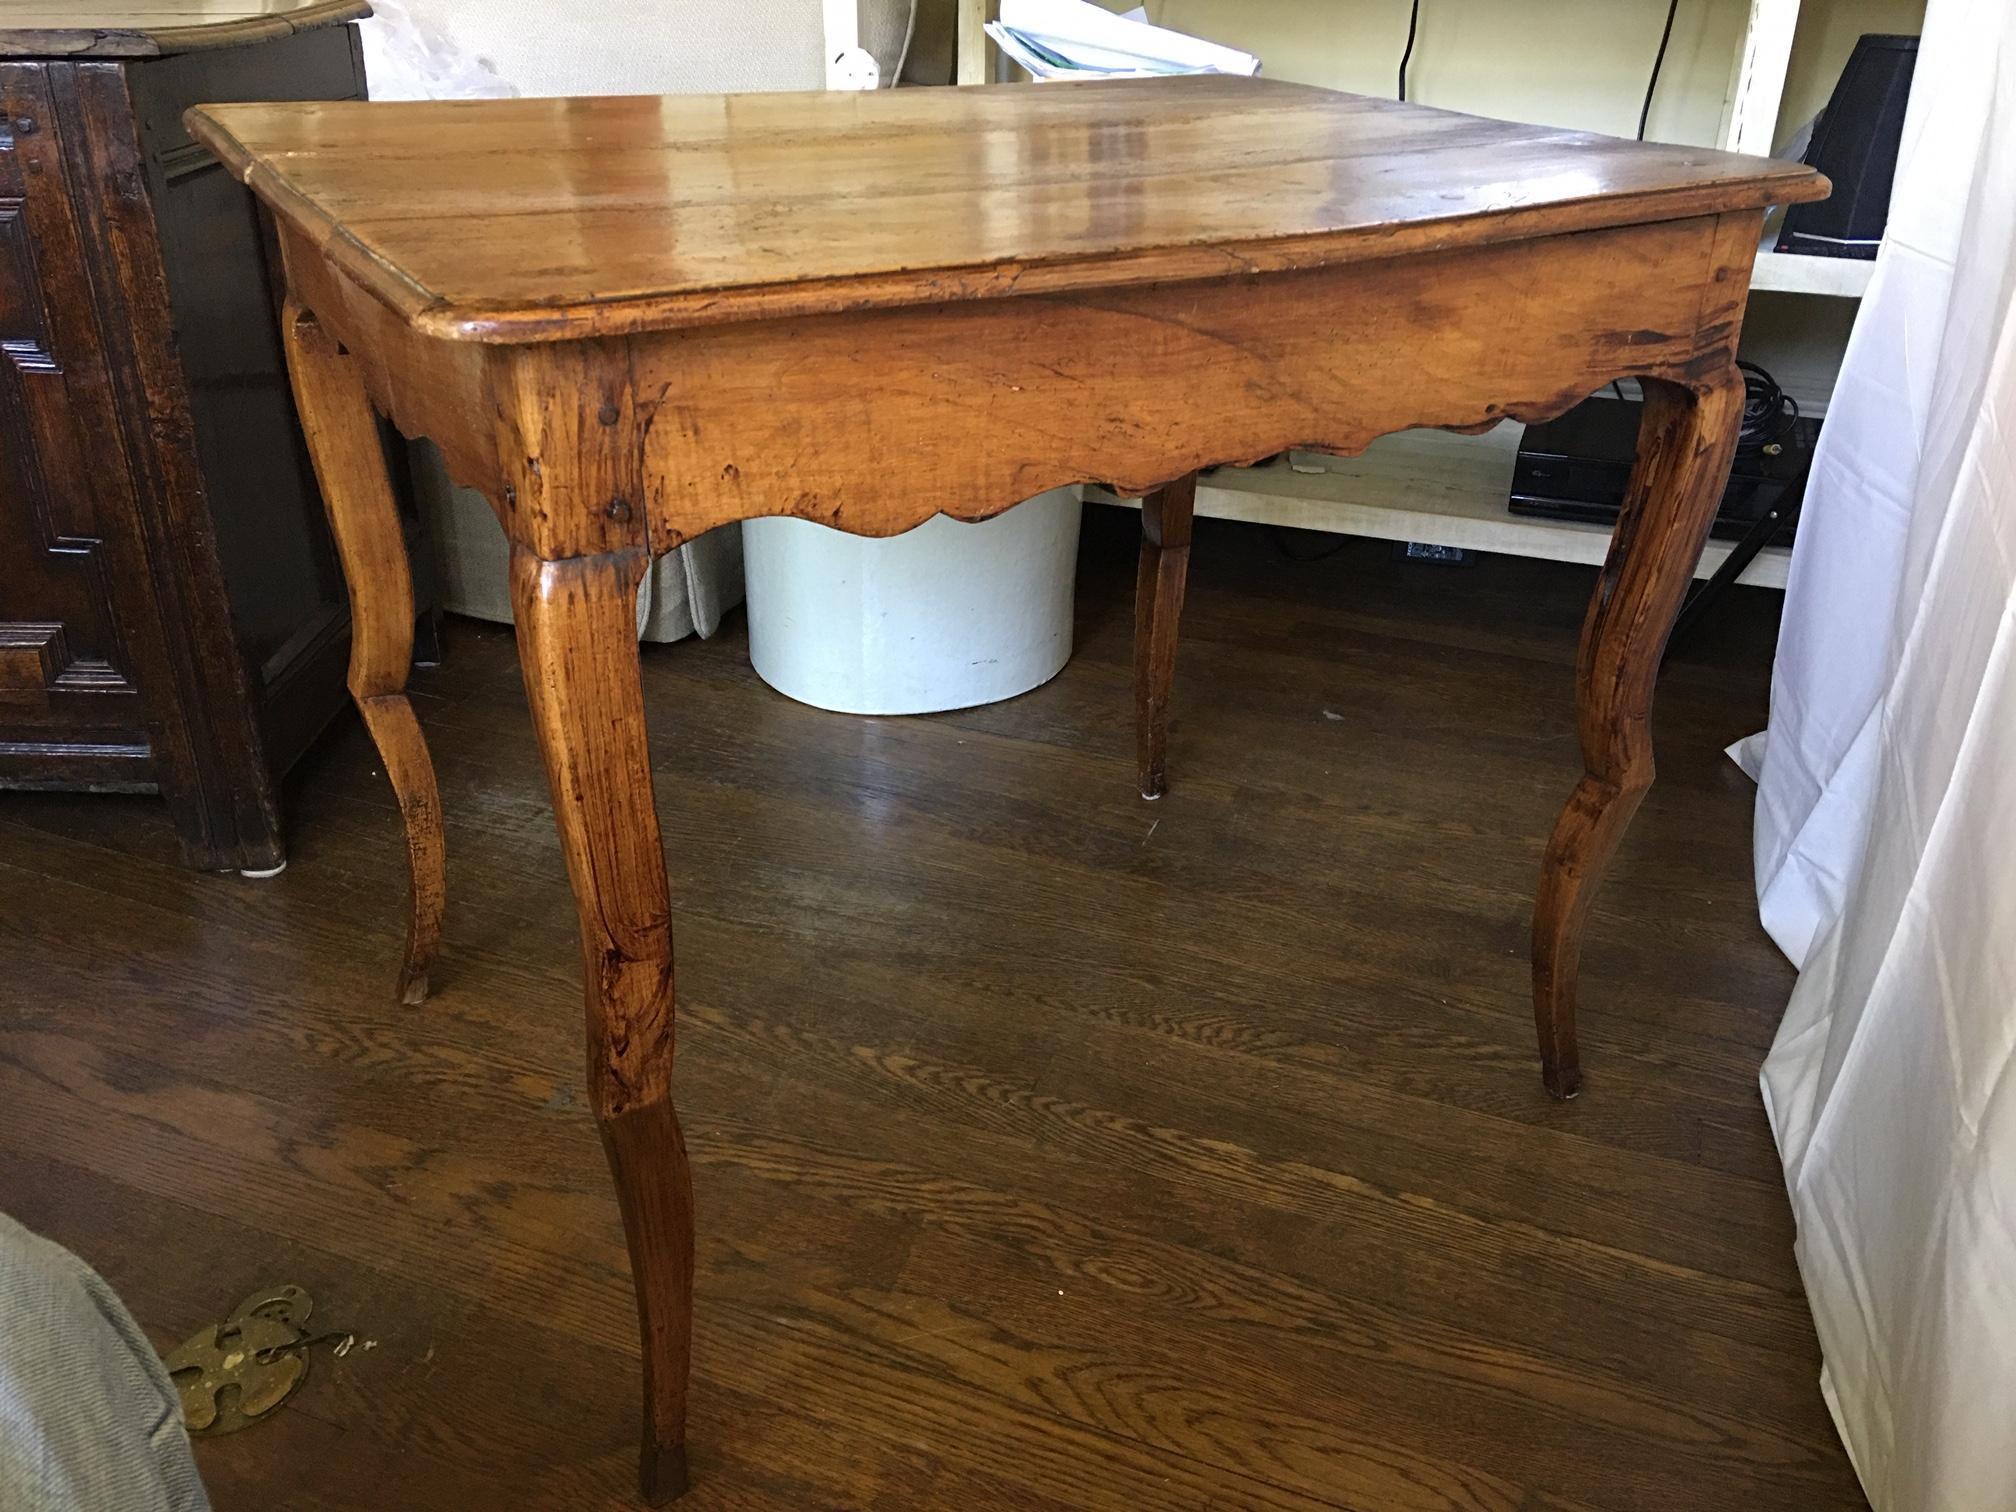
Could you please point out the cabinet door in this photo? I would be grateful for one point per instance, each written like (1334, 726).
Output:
(69, 707)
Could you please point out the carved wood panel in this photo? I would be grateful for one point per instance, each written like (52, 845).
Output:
(58, 462)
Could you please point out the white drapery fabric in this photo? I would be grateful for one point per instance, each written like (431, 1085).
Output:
(1886, 817)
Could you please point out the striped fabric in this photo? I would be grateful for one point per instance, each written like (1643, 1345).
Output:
(88, 1419)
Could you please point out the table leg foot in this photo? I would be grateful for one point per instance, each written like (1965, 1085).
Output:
(1563, 1083)
(654, 1189)
(396, 731)
(1158, 606)
(577, 644)
(1686, 440)
(349, 456)
(663, 1475)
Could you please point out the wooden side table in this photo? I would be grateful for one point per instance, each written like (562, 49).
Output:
(172, 615)
(851, 308)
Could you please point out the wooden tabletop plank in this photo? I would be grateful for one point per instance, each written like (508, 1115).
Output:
(513, 220)
(151, 28)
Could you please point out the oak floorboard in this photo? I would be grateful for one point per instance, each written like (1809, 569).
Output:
(1049, 1151)
(809, 1345)
(378, 1410)
(176, 1041)
(1385, 1191)
(1368, 1014)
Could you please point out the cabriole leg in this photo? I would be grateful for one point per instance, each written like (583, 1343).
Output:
(577, 644)
(349, 457)
(1686, 440)
(1158, 606)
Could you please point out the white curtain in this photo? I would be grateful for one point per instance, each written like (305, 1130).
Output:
(1886, 817)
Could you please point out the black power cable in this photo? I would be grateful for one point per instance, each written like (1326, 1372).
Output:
(1651, 84)
(1413, 22)
(1284, 542)
(1658, 62)
(1769, 413)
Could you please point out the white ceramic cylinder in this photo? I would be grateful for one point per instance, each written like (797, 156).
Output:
(945, 616)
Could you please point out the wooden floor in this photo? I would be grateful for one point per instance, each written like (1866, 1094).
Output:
(1052, 1149)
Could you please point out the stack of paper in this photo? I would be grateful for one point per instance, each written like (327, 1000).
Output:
(1071, 39)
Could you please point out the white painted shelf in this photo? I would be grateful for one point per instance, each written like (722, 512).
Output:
(1430, 486)
(1791, 273)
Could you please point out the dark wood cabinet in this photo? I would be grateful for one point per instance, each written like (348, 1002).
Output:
(172, 617)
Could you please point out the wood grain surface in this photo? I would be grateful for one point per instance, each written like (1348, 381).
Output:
(652, 212)
(348, 452)
(155, 502)
(875, 420)
(1207, 269)
(1051, 1150)
(1167, 520)
(1684, 449)
(577, 645)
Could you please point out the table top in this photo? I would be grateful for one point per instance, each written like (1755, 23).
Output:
(520, 220)
(151, 28)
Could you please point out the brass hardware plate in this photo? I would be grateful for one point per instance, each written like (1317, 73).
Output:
(234, 1373)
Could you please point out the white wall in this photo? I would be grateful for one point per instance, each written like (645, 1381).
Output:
(1574, 63)
(639, 46)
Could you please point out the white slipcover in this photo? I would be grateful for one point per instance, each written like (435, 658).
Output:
(1886, 817)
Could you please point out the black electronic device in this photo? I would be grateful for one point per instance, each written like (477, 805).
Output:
(1855, 144)
(1576, 467)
